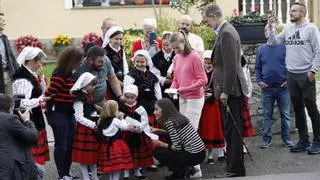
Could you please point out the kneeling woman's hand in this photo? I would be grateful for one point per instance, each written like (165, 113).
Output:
(158, 143)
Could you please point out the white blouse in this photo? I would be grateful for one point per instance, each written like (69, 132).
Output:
(24, 86)
(79, 115)
(143, 125)
(115, 126)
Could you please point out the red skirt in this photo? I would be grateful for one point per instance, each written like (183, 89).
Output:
(40, 152)
(247, 124)
(142, 155)
(85, 147)
(211, 127)
(119, 157)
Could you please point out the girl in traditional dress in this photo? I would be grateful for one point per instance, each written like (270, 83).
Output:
(147, 83)
(115, 155)
(85, 147)
(140, 144)
(27, 82)
(210, 125)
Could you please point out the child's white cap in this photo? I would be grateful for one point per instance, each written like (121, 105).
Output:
(133, 89)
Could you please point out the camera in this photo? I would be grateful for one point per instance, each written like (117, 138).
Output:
(17, 99)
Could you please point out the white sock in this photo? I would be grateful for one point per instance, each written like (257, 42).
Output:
(137, 172)
(220, 152)
(210, 153)
(94, 172)
(115, 175)
(126, 173)
(84, 171)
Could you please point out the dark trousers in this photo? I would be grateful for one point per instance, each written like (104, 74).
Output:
(303, 94)
(235, 159)
(63, 127)
(178, 161)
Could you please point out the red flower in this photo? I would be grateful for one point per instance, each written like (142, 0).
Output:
(88, 38)
(24, 41)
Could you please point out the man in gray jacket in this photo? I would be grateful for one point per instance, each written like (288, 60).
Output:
(302, 40)
(15, 139)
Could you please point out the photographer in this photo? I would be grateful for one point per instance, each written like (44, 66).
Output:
(15, 138)
(27, 83)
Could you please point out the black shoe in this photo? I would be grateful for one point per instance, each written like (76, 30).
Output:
(210, 161)
(125, 178)
(141, 177)
(227, 175)
(221, 158)
(300, 146)
(153, 168)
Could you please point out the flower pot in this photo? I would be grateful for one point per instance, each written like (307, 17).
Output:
(138, 2)
(163, 1)
(251, 33)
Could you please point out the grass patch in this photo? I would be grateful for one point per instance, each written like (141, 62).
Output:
(48, 69)
(318, 76)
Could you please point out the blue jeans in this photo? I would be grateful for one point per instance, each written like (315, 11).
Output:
(268, 97)
(63, 127)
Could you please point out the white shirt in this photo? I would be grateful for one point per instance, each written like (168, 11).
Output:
(79, 115)
(3, 53)
(143, 124)
(196, 43)
(128, 80)
(24, 86)
(114, 127)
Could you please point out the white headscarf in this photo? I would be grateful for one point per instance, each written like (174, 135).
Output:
(144, 53)
(82, 81)
(109, 33)
(29, 53)
(133, 89)
(207, 54)
(150, 22)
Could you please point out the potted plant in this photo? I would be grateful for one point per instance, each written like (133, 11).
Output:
(138, 2)
(24, 41)
(250, 27)
(61, 41)
(88, 38)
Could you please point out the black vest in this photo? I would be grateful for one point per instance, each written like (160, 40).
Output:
(36, 113)
(145, 81)
(161, 63)
(88, 105)
(116, 59)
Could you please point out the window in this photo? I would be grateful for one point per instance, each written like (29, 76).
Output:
(110, 3)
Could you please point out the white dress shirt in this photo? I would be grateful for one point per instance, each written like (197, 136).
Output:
(196, 43)
(79, 115)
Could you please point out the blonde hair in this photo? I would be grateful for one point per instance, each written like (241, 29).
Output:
(109, 109)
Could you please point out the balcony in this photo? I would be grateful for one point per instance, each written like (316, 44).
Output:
(280, 7)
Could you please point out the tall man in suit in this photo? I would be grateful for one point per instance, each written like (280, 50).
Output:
(229, 86)
(8, 63)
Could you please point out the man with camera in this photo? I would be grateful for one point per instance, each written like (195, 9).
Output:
(15, 138)
(302, 40)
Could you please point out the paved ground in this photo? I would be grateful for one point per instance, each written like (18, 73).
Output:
(276, 162)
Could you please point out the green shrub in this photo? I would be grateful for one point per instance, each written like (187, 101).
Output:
(206, 34)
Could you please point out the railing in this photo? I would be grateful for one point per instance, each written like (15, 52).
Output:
(275, 5)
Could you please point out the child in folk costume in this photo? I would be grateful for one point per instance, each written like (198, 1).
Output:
(140, 144)
(147, 83)
(210, 125)
(27, 82)
(85, 147)
(115, 155)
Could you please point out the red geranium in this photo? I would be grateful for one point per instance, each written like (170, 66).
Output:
(24, 41)
(88, 38)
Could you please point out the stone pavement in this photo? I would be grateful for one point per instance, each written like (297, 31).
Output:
(276, 162)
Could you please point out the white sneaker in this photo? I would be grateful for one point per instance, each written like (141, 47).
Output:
(244, 149)
(67, 178)
(198, 174)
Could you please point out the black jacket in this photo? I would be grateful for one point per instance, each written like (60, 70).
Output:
(16, 162)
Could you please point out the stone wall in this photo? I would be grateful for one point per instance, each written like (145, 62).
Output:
(249, 52)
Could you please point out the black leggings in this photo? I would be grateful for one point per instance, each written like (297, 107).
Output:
(178, 161)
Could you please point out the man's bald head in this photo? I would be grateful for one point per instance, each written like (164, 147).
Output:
(185, 23)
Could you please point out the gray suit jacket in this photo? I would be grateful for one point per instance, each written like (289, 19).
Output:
(229, 76)
(15, 139)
